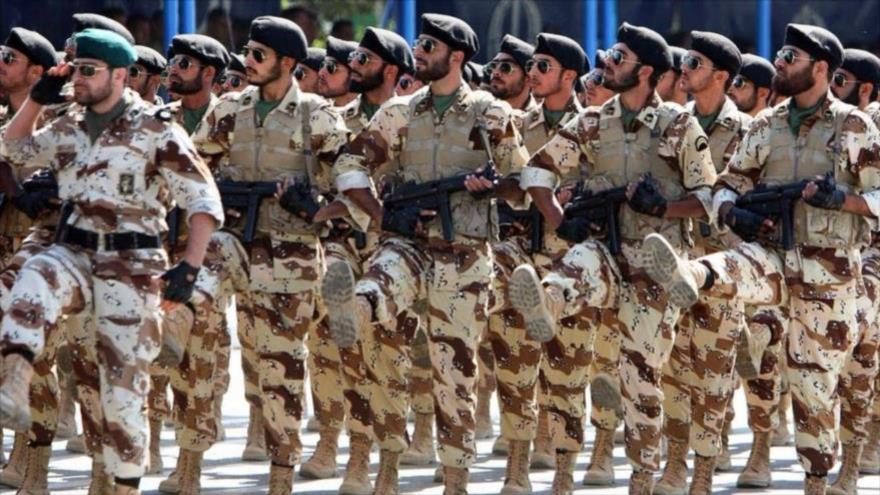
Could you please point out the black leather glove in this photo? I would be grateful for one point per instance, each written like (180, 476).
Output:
(35, 203)
(574, 230)
(47, 91)
(828, 196)
(402, 221)
(298, 200)
(647, 199)
(745, 224)
(180, 281)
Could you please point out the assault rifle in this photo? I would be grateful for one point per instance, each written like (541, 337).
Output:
(532, 219)
(246, 197)
(173, 221)
(601, 209)
(776, 203)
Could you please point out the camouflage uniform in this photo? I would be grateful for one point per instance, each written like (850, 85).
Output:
(285, 257)
(122, 183)
(452, 277)
(818, 280)
(665, 141)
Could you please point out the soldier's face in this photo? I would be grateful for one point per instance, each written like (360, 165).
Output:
(667, 84)
(844, 85)
(334, 78)
(796, 77)
(545, 75)
(696, 79)
(307, 78)
(744, 94)
(432, 58)
(506, 78)
(89, 90)
(621, 68)
(185, 81)
(264, 71)
(13, 70)
(596, 93)
(138, 79)
(366, 70)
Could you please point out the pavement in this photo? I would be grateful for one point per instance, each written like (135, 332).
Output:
(224, 472)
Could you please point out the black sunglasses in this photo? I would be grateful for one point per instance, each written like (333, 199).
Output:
(7, 57)
(788, 56)
(693, 63)
(361, 58)
(839, 79)
(426, 44)
(233, 81)
(739, 82)
(544, 66)
(258, 54)
(85, 70)
(596, 78)
(135, 72)
(505, 67)
(405, 83)
(182, 63)
(299, 73)
(618, 57)
(330, 65)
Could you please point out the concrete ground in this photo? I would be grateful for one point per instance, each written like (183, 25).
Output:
(224, 472)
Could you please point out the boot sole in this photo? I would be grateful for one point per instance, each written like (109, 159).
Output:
(526, 295)
(12, 481)
(337, 289)
(606, 394)
(668, 490)
(591, 479)
(309, 474)
(407, 459)
(664, 266)
(355, 489)
(752, 483)
(13, 418)
(745, 366)
(254, 455)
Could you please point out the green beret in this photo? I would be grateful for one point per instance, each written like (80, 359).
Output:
(105, 45)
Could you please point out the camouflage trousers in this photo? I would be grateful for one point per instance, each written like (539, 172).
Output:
(857, 382)
(452, 279)
(123, 300)
(591, 278)
(821, 333)
(763, 391)
(606, 359)
(421, 375)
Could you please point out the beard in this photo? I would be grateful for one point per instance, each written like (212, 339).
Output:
(328, 92)
(509, 91)
(273, 75)
(794, 83)
(628, 82)
(367, 82)
(853, 97)
(94, 96)
(434, 72)
(749, 104)
(555, 88)
(187, 87)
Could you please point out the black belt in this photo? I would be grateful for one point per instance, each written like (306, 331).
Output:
(120, 241)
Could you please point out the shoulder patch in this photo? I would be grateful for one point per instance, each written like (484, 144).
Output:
(163, 114)
(702, 143)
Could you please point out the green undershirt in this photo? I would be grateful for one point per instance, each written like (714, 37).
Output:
(368, 108)
(191, 118)
(97, 122)
(443, 102)
(706, 121)
(797, 116)
(552, 117)
(628, 116)
(263, 107)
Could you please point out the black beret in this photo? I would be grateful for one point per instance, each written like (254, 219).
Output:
(864, 65)
(314, 57)
(473, 73)
(152, 60)
(281, 35)
(453, 31)
(33, 45)
(203, 48)
(564, 49)
(82, 22)
(236, 63)
(340, 49)
(758, 70)
(677, 53)
(390, 46)
(599, 59)
(719, 49)
(649, 46)
(820, 43)
(520, 50)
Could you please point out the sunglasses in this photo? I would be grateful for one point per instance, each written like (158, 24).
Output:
(617, 57)
(85, 70)
(362, 58)
(505, 67)
(182, 62)
(788, 56)
(693, 63)
(544, 66)
(299, 73)
(595, 78)
(404, 84)
(7, 57)
(427, 45)
(839, 79)
(233, 81)
(331, 66)
(135, 72)
(258, 54)
(739, 82)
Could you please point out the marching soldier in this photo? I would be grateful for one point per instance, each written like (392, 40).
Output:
(306, 72)
(145, 76)
(669, 87)
(751, 89)
(235, 78)
(334, 76)
(596, 93)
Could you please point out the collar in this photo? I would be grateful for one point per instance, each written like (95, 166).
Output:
(647, 116)
(572, 108)
(728, 114)
(461, 104)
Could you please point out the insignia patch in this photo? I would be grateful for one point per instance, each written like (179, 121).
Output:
(246, 100)
(702, 143)
(126, 184)
(164, 115)
(291, 107)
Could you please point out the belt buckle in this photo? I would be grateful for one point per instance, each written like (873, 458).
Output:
(105, 242)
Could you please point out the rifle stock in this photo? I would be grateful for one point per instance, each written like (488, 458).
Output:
(247, 197)
(601, 208)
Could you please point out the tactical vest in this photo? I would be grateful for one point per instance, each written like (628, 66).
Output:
(273, 151)
(436, 149)
(792, 158)
(535, 136)
(622, 157)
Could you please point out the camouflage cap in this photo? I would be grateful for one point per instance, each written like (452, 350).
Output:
(105, 45)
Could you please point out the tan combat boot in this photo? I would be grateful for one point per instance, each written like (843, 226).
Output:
(420, 451)
(848, 477)
(674, 479)
(723, 462)
(357, 471)
(563, 479)
(386, 480)
(781, 435)
(756, 474)
(172, 483)
(76, 445)
(351, 313)
(190, 478)
(322, 464)
(155, 463)
(870, 463)
(255, 445)
(516, 479)
(540, 307)
(483, 419)
(641, 483)
(455, 481)
(501, 446)
(101, 483)
(814, 485)
(36, 476)
(543, 456)
(15, 411)
(702, 482)
(682, 279)
(13, 474)
(280, 480)
(600, 472)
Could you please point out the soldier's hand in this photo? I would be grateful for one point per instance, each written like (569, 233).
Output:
(297, 199)
(824, 193)
(564, 195)
(644, 197)
(479, 186)
(574, 230)
(747, 225)
(35, 203)
(407, 222)
(47, 91)
(179, 282)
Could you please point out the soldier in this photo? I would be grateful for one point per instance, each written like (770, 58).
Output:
(446, 128)
(596, 93)
(818, 278)
(339, 379)
(306, 72)
(334, 76)
(751, 89)
(408, 84)
(82, 274)
(235, 78)
(669, 88)
(698, 377)
(508, 79)
(145, 76)
(83, 21)
(284, 255)
(601, 143)
(857, 82)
